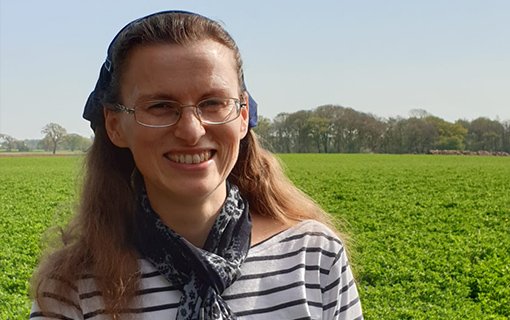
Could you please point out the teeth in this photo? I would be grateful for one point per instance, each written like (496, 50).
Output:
(190, 158)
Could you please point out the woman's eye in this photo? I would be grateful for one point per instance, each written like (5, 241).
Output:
(212, 104)
(158, 106)
(162, 107)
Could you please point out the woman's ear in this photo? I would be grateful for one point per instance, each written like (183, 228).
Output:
(245, 115)
(114, 129)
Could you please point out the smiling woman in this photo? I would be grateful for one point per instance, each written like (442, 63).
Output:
(183, 215)
(205, 70)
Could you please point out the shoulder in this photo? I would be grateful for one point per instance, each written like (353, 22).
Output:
(308, 239)
(307, 232)
(302, 270)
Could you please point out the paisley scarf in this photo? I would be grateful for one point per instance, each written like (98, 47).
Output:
(201, 274)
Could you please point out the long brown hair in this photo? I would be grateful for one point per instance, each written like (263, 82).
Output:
(97, 241)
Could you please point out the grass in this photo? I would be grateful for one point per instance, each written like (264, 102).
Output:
(430, 234)
(35, 194)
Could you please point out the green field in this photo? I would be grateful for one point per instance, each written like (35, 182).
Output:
(430, 234)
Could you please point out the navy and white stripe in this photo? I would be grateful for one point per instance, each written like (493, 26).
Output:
(300, 273)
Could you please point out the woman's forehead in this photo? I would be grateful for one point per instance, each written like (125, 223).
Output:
(198, 52)
(176, 68)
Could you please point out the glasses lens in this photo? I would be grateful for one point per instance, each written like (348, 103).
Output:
(218, 110)
(164, 113)
(158, 113)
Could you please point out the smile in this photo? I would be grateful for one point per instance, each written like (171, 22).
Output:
(190, 158)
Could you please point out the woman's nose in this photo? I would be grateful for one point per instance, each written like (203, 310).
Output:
(189, 128)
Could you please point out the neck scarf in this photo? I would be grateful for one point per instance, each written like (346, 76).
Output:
(201, 274)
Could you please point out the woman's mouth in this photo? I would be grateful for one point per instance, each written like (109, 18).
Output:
(190, 158)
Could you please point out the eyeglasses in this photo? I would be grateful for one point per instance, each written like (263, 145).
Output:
(166, 113)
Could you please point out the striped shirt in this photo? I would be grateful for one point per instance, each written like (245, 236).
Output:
(300, 273)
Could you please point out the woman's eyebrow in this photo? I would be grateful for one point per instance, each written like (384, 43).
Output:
(214, 92)
(156, 96)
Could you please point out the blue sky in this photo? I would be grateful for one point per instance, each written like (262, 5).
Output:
(449, 57)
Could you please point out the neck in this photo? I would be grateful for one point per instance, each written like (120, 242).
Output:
(190, 218)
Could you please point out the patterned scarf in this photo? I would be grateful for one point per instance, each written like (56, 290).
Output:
(201, 274)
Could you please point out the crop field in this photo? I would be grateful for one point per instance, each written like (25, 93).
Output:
(429, 235)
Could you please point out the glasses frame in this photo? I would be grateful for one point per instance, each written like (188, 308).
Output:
(239, 104)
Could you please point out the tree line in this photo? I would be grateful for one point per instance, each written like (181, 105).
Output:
(332, 129)
(337, 129)
(55, 138)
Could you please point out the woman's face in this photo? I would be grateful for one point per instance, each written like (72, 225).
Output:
(166, 156)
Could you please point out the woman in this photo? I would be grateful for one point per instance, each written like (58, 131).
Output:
(183, 215)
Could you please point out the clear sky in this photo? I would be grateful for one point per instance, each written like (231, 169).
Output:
(449, 57)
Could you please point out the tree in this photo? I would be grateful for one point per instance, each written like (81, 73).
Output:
(328, 131)
(451, 135)
(319, 132)
(7, 142)
(281, 133)
(54, 134)
(264, 132)
(298, 126)
(420, 136)
(348, 128)
(485, 134)
(506, 135)
(75, 142)
(371, 133)
(22, 146)
(32, 143)
(392, 136)
(333, 128)
(419, 113)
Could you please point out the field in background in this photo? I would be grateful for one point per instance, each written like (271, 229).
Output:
(430, 235)
(35, 193)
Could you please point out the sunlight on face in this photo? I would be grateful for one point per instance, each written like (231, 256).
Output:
(189, 160)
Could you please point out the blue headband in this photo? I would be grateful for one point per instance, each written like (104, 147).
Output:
(93, 107)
